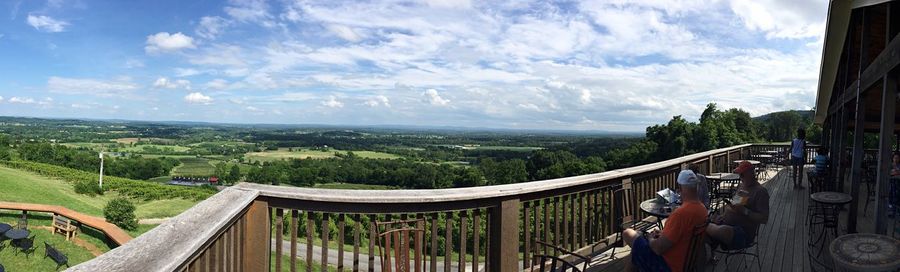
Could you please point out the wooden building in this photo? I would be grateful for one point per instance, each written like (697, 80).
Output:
(857, 95)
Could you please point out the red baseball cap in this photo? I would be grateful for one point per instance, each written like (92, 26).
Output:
(743, 166)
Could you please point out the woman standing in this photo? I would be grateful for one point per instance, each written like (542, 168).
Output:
(798, 157)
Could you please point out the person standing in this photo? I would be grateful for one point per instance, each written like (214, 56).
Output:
(798, 157)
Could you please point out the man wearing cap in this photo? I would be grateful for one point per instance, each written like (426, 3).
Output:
(738, 226)
(667, 251)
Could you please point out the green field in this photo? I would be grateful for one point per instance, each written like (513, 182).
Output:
(351, 186)
(301, 153)
(141, 148)
(22, 186)
(194, 166)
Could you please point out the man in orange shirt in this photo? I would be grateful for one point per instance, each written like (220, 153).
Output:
(668, 250)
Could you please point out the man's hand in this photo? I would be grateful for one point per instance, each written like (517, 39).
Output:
(655, 234)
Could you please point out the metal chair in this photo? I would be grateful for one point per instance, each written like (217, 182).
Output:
(22, 223)
(25, 246)
(394, 244)
(694, 261)
(628, 214)
(742, 251)
(554, 263)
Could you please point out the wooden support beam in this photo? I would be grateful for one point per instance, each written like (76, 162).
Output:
(856, 166)
(256, 247)
(504, 241)
(888, 112)
(843, 135)
(875, 72)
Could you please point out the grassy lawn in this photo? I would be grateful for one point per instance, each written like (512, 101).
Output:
(36, 261)
(21, 186)
(301, 153)
(301, 263)
(193, 166)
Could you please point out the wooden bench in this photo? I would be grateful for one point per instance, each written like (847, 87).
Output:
(64, 225)
(56, 255)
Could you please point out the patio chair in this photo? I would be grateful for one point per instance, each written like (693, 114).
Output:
(554, 263)
(629, 215)
(741, 251)
(25, 246)
(696, 255)
(57, 256)
(394, 244)
(22, 223)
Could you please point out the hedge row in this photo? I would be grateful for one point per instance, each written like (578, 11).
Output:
(132, 188)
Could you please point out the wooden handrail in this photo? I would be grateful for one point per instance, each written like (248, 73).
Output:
(235, 227)
(113, 232)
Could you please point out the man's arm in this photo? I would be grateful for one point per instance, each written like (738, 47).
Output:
(755, 217)
(660, 245)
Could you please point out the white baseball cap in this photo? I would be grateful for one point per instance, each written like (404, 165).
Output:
(687, 177)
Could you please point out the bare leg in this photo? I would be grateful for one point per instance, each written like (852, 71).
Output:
(720, 233)
(628, 236)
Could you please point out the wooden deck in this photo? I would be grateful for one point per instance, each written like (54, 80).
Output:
(115, 234)
(782, 242)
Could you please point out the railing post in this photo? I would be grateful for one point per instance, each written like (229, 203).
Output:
(504, 224)
(256, 244)
(710, 160)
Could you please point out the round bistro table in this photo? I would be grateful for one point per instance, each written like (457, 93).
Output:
(831, 198)
(17, 234)
(4, 228)
(866, 252)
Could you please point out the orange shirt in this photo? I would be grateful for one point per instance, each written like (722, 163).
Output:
(678, 230)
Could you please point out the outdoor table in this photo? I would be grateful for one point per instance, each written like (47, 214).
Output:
(4, 227)
(763, 156)
(17, 234)
(831, 198)
(657, 209)
(866, 252)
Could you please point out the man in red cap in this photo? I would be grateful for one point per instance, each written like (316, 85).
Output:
(737, 227)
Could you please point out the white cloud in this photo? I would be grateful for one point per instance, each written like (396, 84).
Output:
(165, 42)
(378, 100)
(435, 99)
(165, 83)
(198, 98)
(332, 102)
(46, 23)
(134, 63)
(211, 27)
(22, 100)
(81, 106)
(345, 33)
(250, 11)
(449, 3)
(783, 19)
(1, 99)
(186, 72)
(217, 84)
(88, 86)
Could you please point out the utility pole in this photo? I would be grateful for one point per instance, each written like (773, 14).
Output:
(101, 171)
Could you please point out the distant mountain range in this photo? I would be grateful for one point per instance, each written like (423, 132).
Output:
(805, 114)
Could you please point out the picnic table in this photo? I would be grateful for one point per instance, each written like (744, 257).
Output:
(866, 252)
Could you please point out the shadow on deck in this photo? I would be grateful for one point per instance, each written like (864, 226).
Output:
(782, 242)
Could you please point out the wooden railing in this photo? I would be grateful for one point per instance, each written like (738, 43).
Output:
(253, 227)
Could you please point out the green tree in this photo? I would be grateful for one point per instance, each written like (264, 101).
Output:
(120, 211)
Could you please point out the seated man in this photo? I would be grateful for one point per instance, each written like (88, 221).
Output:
(667, 251)
(821, 161)
(737, 227)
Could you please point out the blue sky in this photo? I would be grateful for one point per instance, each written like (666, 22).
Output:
(597, 65)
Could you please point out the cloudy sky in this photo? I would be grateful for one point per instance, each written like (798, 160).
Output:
(598, 65)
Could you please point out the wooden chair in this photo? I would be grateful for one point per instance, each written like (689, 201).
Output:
(555, 263)
(64, 225)
(394, 240)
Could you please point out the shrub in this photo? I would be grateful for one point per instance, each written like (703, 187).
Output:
(120, 211)
(87, 188)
